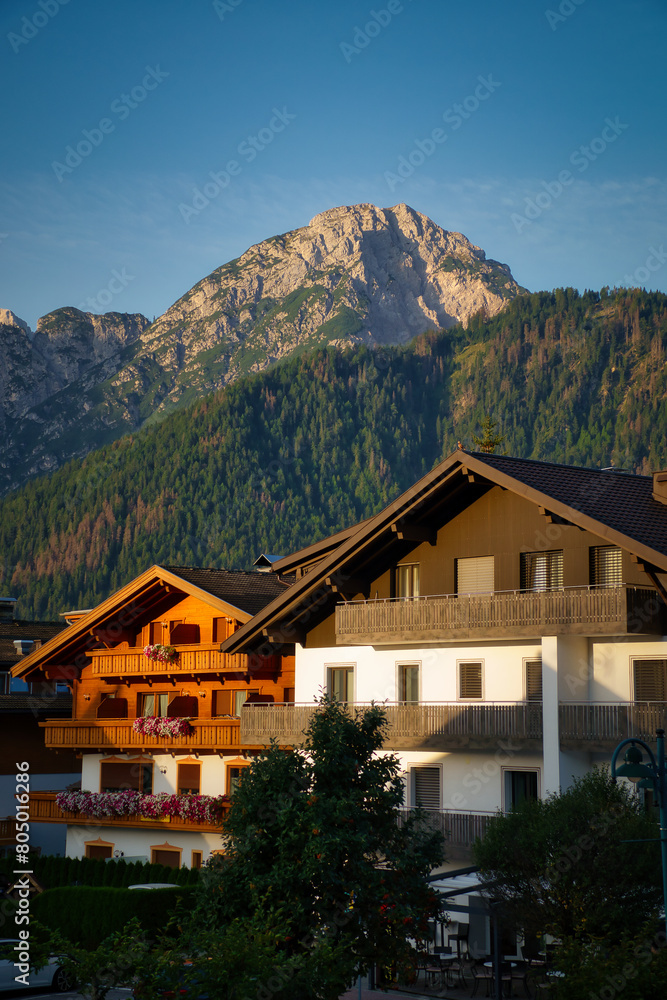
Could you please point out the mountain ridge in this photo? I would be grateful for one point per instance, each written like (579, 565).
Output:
(355, 274)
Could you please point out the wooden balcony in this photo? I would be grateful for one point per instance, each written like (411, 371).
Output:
(7, 831)
(198, 658)
(510, 614)
(460, 829)
(432, 726)
(600, 727)
(118, 734)
(43, 809)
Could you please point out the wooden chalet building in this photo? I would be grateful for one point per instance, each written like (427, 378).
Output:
(511, 614)
(165, 728)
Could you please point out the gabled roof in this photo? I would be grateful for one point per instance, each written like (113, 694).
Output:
(238, 595)
(614, 506)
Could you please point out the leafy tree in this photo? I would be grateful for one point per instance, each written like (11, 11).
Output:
(115, 962)
(313, 846)
(563, 865)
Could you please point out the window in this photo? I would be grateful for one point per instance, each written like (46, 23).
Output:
(519, 785)
(533, 680)
(407, 580)
(475, 575)
(341, 683)
(649, 678)
(425, 790)
(121, 775)
(197, 859)
(189, 779)
(542, 570)
(234, 777)
(230, 701)
(154, 704)
(470, 680)
(606, 566)
(169, 856)
(99, 849)
(408, 682)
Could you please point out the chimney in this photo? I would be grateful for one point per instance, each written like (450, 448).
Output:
(23, 646)
(660, 487)
(7, 605)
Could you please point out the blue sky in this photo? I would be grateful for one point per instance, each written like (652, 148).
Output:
(535, 128)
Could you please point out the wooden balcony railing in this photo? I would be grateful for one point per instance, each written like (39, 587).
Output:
(8, 830)
(411, 726)
(118, 734)
(591, 726)
(460, 829)
(43, 809)
(571, 611)
(198, 658)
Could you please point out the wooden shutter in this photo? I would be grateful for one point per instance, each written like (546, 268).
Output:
(475, 576)
(189, 778)
(606, 566)
(172, 859)
(470, 680)
(98, 851)
(650, 680)
(533, 680)
(222, 703)
(426, 787)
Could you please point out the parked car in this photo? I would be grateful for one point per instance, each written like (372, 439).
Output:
(50, 975)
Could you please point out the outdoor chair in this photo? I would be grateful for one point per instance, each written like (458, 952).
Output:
(481, 974)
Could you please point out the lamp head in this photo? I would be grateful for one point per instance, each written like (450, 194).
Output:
(633, 769)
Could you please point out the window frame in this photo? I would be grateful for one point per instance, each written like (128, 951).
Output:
(459, 686)
(526, 698)
(415, 576)
(350, 668)
(634, 660)
(401, 666)
(412, 786)
(536, 588)
(505, 773)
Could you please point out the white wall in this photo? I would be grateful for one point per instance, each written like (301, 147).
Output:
(138, 842)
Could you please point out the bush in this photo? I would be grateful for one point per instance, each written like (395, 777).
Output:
(88, 914)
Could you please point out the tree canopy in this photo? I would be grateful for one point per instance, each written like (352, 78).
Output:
(565, 865)
(313, 846)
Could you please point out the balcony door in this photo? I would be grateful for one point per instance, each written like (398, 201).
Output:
(341, 684)
(520, 784)
(408, 683)
(542, 570)
(407, 581)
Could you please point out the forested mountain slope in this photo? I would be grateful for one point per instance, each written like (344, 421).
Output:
(279, 459)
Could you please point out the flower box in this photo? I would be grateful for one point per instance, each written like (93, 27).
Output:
(161, 654)
(158, 725)
(161, 807)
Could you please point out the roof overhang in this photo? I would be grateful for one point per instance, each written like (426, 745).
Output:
(440, 495)
(150, 594)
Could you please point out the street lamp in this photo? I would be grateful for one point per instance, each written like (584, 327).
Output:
(651, 775)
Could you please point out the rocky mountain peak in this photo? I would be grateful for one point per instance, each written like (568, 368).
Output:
(9, 318)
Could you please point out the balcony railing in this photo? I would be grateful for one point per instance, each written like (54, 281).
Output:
(44, 809)
(411, 726)
(571, 611)
(460, 829)
(592, 726)
(197, 658)
(118, 734)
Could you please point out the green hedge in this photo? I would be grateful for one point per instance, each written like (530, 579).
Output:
(87, 914)
(51, 872)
